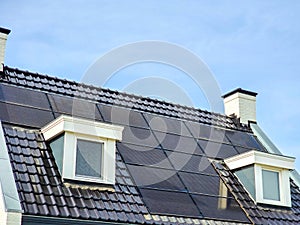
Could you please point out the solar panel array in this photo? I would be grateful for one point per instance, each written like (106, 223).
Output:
(168, 158)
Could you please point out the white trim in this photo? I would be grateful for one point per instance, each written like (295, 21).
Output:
(10, 206)
(270, 146)
(77, 128)
(81, 126)
(256, 157)
(266, 161)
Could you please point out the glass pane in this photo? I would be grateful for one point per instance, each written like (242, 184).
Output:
(190, 163)
(217, 150)
(247, 178)
(88, 158)
(23, 96)
(75, 107)
(204, 184)
(139, 136)
(23, 115)
(219, 207)
(178, 143)
(171, 203)
(142, 155)
(271, 185)
(156, 178)
(57, 146)
(167, 125)
(124, 116)
(207, 132)
(243, 139)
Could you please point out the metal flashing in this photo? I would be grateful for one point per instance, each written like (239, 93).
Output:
(7, 181)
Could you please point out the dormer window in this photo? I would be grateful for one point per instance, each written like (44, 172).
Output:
(88, 158)
(265, 176)
(84, 150)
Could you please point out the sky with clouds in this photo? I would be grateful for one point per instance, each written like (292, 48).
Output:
(249, 44)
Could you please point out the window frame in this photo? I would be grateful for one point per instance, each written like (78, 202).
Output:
(267, 161)
(98, 140)
(77, 128)
(284, 186)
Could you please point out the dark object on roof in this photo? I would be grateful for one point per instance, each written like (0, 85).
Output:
(164, 171)
(240, 90)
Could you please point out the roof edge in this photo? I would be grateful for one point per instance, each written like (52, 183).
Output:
(240, 90)
(4, 30)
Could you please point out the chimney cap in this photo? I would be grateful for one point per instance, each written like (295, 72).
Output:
(4, 30)
(240, 90)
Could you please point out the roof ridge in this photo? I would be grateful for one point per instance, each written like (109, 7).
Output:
(118, 95)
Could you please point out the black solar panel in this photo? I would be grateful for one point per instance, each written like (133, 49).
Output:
(139, 136)
(243, 139)
(178, 143)
(217, 150)
(117, 115)
(156, 178)
(75, 107)
(220, 208)
(23, 96)
(25, 115)
(207, 132)
(190, 163)
(142, 155)
(167, 125)
(172, 203)
(203, 184)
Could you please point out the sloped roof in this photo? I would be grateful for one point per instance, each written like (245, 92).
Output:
(164, 170)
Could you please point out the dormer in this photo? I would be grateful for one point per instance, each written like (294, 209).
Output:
(84, 150)
(265, 176)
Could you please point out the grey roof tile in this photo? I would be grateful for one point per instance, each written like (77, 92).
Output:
(259, 214)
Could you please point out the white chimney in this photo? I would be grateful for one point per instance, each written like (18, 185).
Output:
(242, 104)
(3, 37)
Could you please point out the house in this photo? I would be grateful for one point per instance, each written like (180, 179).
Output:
(72, 153)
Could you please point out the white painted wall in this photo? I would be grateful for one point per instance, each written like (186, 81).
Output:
(242, 105)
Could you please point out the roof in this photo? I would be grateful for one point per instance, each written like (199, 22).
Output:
(167, 170)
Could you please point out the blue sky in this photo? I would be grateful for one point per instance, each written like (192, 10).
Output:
(249, 44)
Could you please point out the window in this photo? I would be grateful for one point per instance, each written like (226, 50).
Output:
(88, 158)
(270, 180)
(265, 176)
(246, 176)
(84, 150)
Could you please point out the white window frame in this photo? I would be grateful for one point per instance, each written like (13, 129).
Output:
(77, 128)
(266, 161)
(284, 186)
(103, 159)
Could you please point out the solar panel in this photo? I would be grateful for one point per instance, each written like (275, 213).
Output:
(155, 178)
(243, 139)
(142, 155)
(190, 163)
(24, 115)
(207, 132)
(172, 203)
(23, 96)
(75, 107)
(139, 136)
(117, 115)
(203, 184)
(167, 125)
(217, 150)
(178, 143)
(220, 208)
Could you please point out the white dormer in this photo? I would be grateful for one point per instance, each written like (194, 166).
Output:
(265, 176)
(84, 150)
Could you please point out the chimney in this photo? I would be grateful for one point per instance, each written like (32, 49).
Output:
(242, 104)
(3, 37)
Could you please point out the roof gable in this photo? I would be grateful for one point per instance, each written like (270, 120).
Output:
(166, 154)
